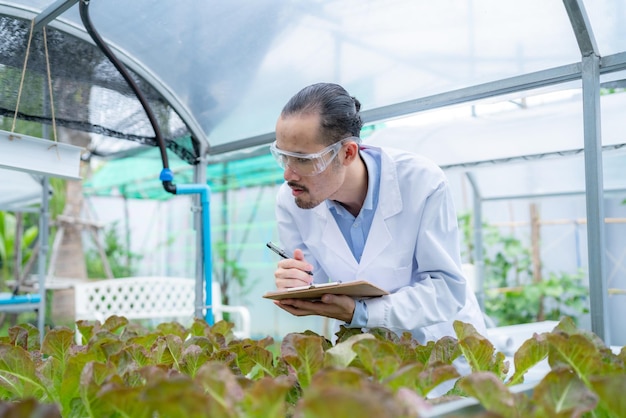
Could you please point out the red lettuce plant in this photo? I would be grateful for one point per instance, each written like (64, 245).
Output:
(123, 370)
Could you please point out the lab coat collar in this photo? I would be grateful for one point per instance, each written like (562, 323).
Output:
(389, 204)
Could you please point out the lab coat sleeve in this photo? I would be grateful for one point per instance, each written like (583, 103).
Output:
(289, 233)
(438, 289)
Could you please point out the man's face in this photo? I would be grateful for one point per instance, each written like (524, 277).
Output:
(300, 134)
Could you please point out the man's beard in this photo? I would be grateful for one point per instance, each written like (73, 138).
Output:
(309, 204)
(301, 203)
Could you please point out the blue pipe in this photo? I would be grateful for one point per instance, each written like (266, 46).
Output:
(25, 298)
(204, 191)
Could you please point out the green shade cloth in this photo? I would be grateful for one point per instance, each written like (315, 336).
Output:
(137, 177)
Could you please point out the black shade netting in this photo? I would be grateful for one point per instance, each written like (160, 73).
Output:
(88, 92)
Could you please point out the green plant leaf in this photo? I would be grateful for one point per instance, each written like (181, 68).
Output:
(18, 336)
(444, 351)
(492, 394)
(199, 328)
(221, 386)
(344, 377)
(145, 340)
(384, 334)
(407, 376)
(562, 394)
(29, 236)
(481, 356)
(305, 354)
(225, 357)
(192, 358)
(202, 342)
(224, 328)
(342, 354)
(179, 396)
(421, 379)
(18, 374)
(153, 373)
(161, 353)
(576, 352)
(172, 328)
(405, 347)
(610, 390)
(175, 346)
(622, 355)
(114, 323)
(530, 353)
(478, 350)
(51, 375)
(464, 330)
(57, 343)
(260, 359)
(29, 408)
(123, 361)
(24, 335)
(326, 343)
(91, 379)
(568, 326)
(378, 357)
(69, 389)
(423, 352)
(86, 329)
(126, 401)
(265, 398)
(354, 396)
(345, 333)
(110, 346)
(431, 377)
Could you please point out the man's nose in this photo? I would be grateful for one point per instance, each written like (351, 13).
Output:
(289, 174)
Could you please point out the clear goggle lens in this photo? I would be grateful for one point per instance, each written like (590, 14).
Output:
(307, 164)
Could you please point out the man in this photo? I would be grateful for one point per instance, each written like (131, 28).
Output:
(351, 212)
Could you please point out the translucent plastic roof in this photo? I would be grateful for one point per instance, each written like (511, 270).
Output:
(521, 152)
(226, 68)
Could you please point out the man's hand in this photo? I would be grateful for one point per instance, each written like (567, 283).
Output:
(292, 272)
(331, 306)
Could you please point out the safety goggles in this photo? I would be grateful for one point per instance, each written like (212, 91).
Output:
(307, 164)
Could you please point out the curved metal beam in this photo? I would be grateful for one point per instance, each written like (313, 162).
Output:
(52, 12)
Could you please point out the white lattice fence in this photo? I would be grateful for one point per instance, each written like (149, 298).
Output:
(150, 298)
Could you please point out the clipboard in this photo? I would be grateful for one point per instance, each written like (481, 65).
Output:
(358, 289)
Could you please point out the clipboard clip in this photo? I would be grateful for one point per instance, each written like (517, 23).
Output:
(313, 286)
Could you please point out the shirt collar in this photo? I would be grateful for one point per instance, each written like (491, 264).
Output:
(373, 173)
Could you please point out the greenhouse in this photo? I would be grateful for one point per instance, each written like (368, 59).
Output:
(135, 138)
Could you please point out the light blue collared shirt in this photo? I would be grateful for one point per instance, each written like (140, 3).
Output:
(356, 229)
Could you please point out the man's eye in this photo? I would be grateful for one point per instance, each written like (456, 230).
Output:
(303, 160)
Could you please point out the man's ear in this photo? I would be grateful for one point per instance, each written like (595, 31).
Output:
(351, 151)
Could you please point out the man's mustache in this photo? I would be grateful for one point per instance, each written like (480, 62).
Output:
(295, 185)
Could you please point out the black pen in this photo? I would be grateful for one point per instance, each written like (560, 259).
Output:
(282, 253)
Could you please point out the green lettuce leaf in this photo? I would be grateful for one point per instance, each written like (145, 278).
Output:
(304, 353)
(342, 354)
(18, 375)
(378, 357)
(610, 390)
(491, 392)
(563, 394)
(531, 352)
(265, 398)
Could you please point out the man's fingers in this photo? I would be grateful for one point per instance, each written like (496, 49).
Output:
(298, 254)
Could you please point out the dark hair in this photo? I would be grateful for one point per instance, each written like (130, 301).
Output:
(339, 112)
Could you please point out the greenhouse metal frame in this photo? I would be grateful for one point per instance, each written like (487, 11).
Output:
(221, 139)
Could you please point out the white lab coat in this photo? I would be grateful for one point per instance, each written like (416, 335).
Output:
(412, 249)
